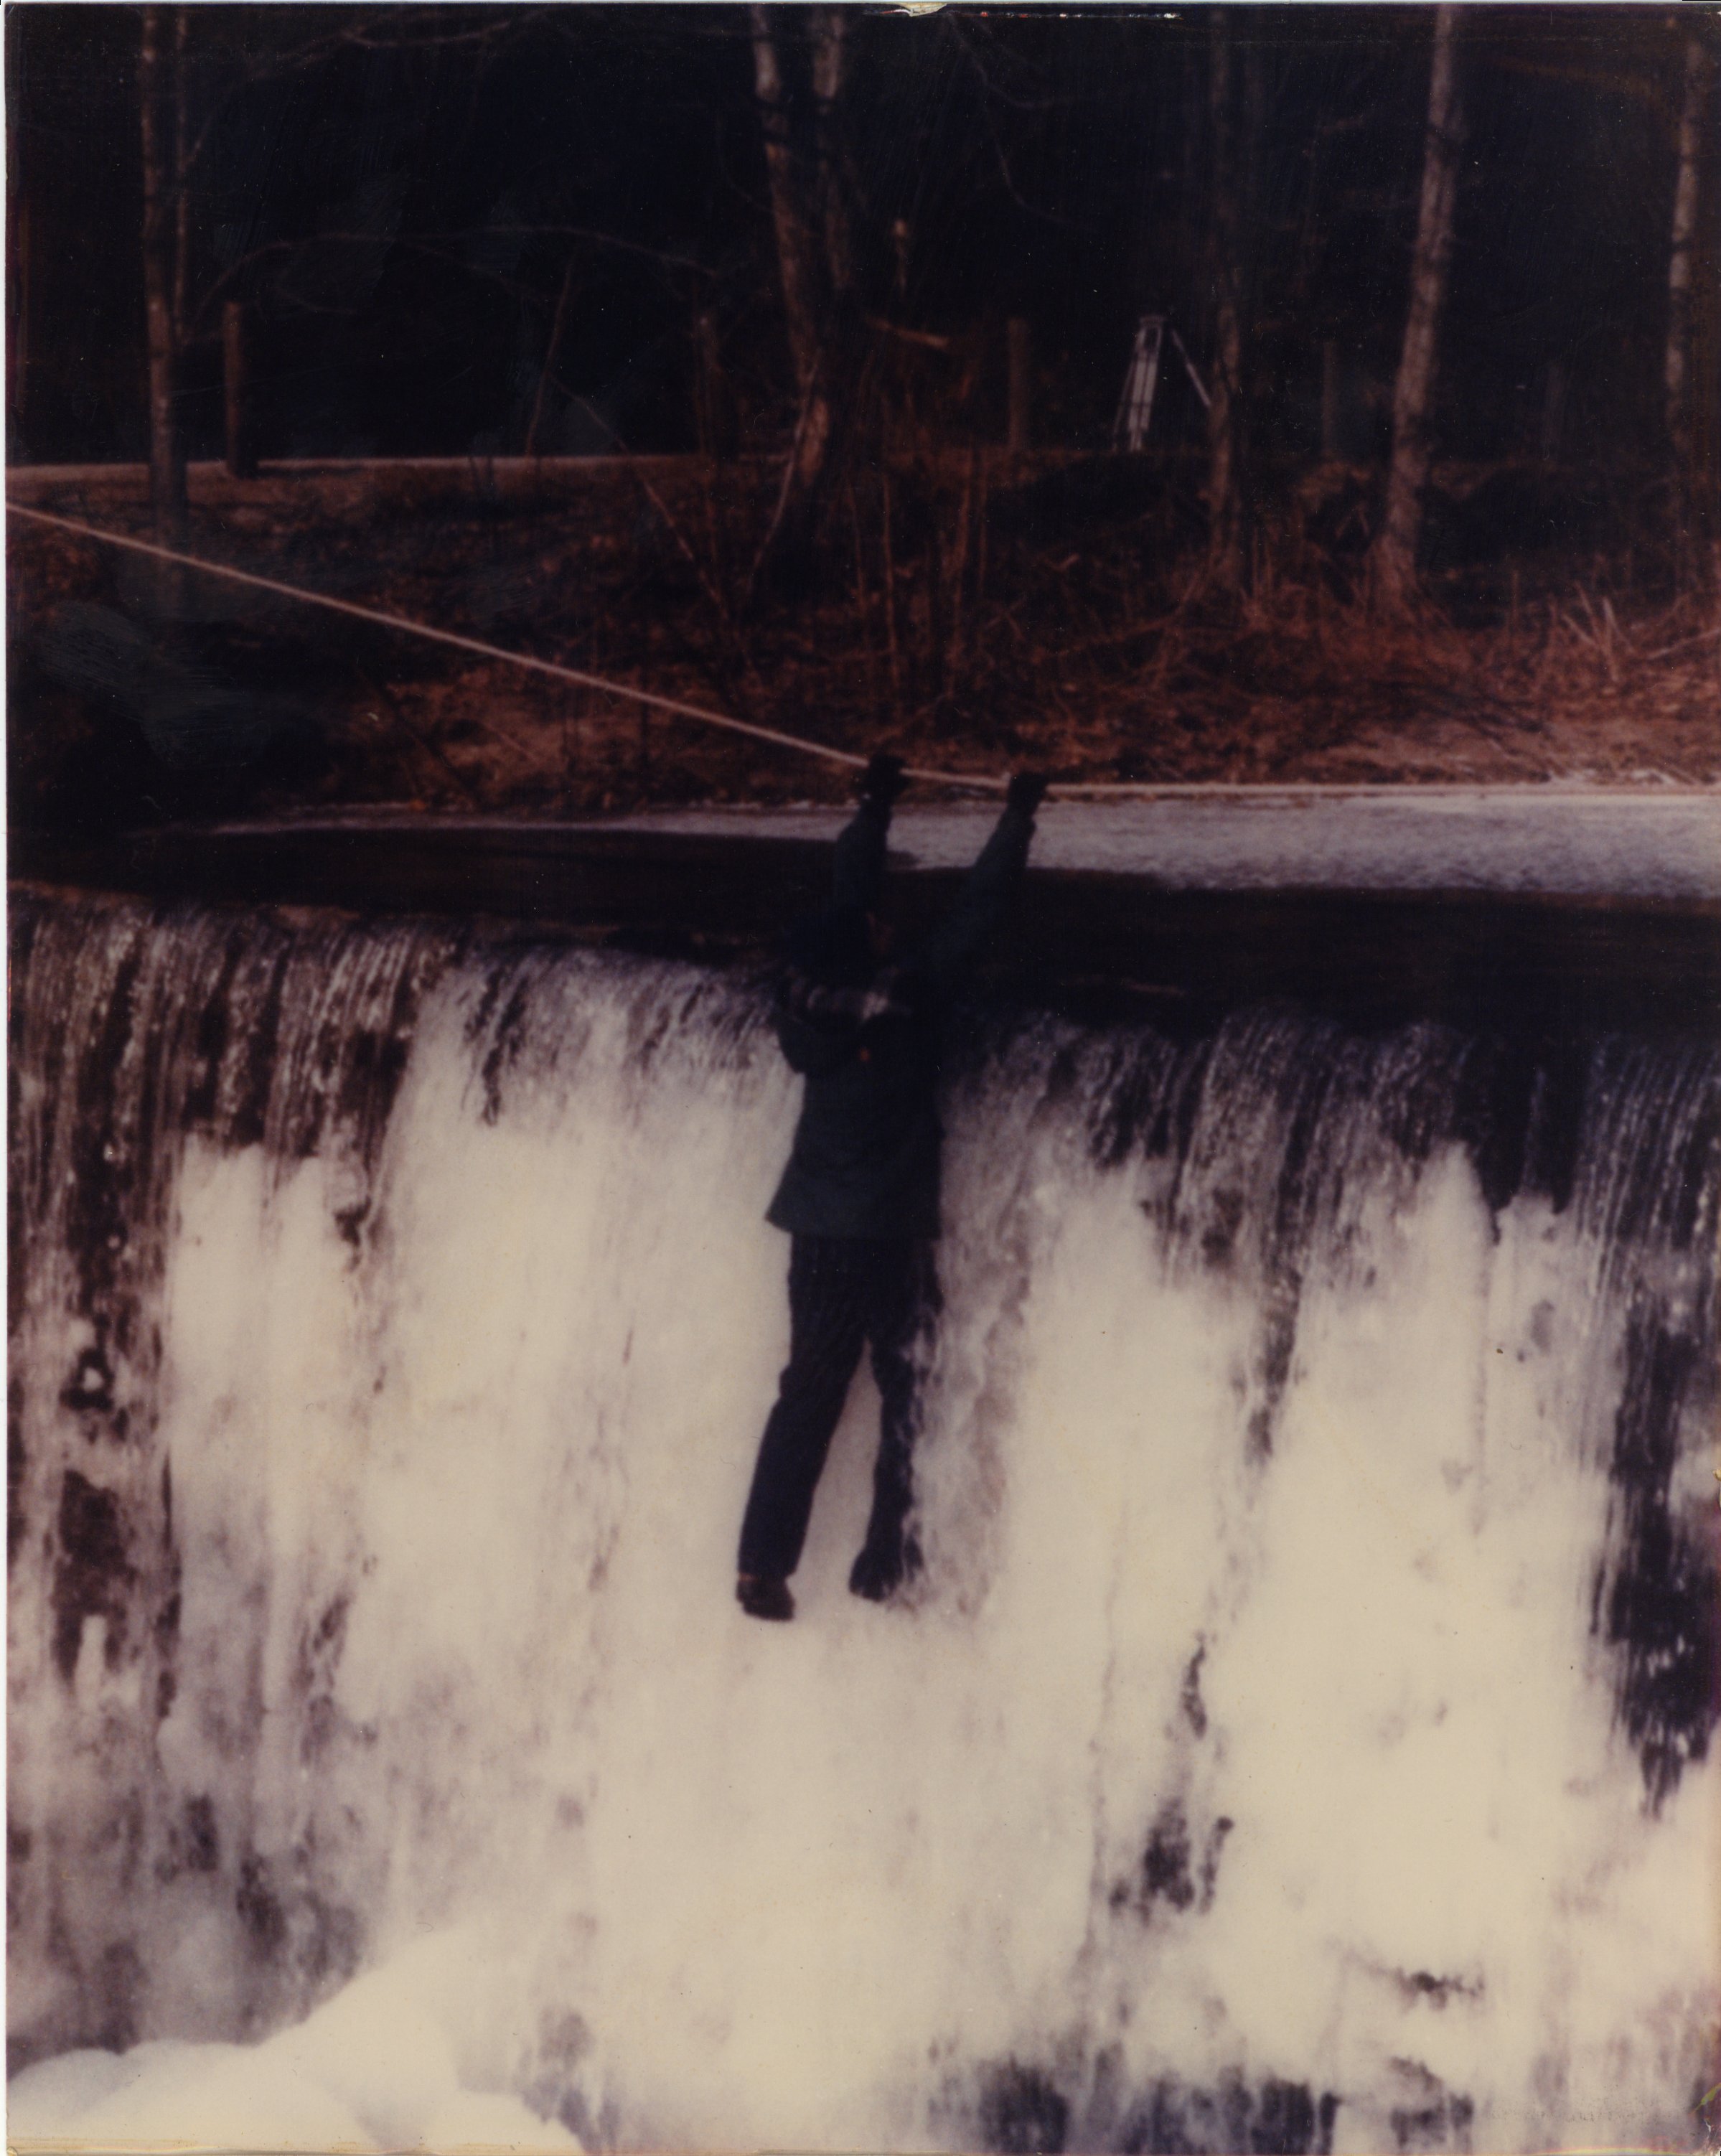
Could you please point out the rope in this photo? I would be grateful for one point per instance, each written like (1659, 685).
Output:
(1084, 789)
(480, 649)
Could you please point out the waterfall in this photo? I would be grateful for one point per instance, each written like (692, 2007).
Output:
(1301, 1736)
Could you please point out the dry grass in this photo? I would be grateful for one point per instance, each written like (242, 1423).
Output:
(960, 624)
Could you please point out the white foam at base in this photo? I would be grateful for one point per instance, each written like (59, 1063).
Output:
(377, 2067)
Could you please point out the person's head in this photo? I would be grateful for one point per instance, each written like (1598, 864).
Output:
(837, 948)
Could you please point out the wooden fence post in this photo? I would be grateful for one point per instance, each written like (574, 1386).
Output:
(1329, 401)
(236, 389)
(1552, 412)
(1020, 353)
(713, 412)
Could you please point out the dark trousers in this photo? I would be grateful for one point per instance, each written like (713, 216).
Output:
(843, 1294)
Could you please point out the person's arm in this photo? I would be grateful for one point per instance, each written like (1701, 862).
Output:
(987, 889)
(858, 871)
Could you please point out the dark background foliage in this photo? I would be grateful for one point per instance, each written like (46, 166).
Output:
(403, 197)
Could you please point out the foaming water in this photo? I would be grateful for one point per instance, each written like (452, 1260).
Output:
(1301, 1738)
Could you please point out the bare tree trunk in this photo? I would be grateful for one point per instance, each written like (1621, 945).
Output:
(181, 173)
(797, 263)
(18, 372)
(1393, 557)
(1225, 507)
(815, 259)
(1704, 407)
(1679, 254)
(830, 32)
(167, 454)
(1682, 414)
(840, 338)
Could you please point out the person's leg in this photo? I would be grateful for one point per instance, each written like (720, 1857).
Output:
(902, 1308)
(827, 1317)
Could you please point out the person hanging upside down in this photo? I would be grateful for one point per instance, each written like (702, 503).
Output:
(860, 1196)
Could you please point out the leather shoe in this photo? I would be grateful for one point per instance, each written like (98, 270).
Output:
(769, 1598)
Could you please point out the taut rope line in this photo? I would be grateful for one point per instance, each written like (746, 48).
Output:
(479, 647)
(1538, 791)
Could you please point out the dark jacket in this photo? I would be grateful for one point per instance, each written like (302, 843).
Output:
(866, 1157)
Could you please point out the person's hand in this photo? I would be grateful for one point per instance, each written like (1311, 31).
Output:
(1027, 790)
(883, 780)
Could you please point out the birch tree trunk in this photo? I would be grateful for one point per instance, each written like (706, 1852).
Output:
(1224, 506)
(1393, 557)
(167, 454)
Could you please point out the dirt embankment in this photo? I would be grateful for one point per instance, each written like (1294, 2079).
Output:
(973, 613)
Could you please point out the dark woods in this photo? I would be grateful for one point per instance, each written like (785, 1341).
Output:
(955, 328)
(1448, 231)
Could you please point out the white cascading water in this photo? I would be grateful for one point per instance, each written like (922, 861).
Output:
(1300, 1739)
